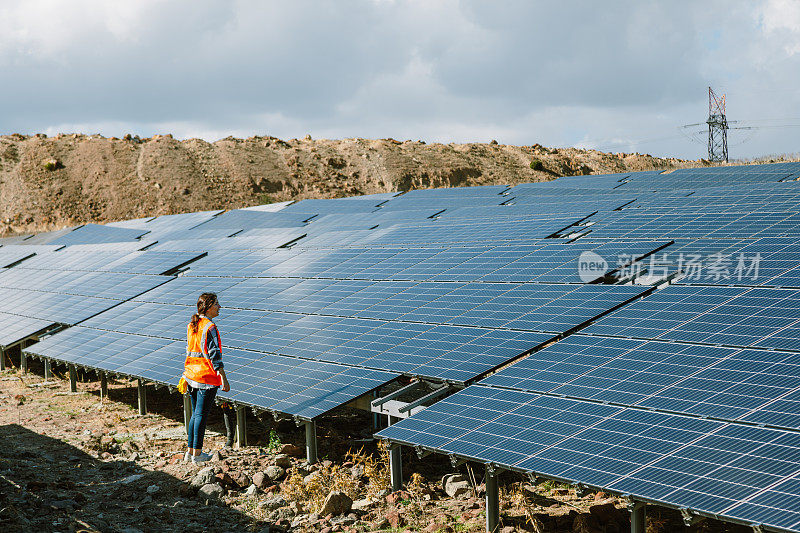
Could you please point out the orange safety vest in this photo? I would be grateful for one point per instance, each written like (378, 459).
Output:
(198, 365)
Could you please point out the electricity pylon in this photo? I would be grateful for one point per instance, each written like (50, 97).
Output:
(717, 128)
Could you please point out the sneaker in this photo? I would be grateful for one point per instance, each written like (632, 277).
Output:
(202, 458)
(186, 457)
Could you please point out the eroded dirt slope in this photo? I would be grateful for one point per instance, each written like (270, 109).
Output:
(51, 182)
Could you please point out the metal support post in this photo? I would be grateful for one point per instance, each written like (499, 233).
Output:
(376, 419)
(492, 500)
(311, 442)
(103, 386)
(142, 389)
(73, 379)
(2, 359)
(638, 522)
(23, 360)
(47, 371)
(187, 411)
(396, 467)
(395, 461)
(241, 427)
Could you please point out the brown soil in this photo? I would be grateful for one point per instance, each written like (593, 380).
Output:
(71, 462)
(48, 183)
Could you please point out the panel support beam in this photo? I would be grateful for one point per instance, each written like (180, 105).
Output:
(492, 500)
(638, 517)
(187, 411)
(73, 379)
(142, 390)
(2, 359)
(48, 373)
(311, 442)
(103, 386)
(241, 426)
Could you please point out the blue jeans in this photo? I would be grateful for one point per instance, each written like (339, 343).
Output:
(202, 400)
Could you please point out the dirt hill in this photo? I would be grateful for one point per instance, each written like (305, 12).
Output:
(51, 182)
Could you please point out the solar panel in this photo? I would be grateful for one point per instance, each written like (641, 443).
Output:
(242, 219)
(730, 316)
(96, 234)
(687, 396)
(711, 381)
(306, 389)
(707, 466)
(17, 327)
(9, 255)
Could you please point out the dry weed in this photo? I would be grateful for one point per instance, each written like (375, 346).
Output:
(312, 490)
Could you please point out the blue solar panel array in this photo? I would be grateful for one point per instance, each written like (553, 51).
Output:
(633, 332)
(688, 396)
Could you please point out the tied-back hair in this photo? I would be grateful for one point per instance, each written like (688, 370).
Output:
(204, 303)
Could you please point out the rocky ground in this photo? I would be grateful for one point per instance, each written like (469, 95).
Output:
(51, 182)
(71, 462)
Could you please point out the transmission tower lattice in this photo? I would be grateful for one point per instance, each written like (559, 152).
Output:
(717, 128)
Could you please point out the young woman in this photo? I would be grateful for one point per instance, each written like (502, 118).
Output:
(203, 371)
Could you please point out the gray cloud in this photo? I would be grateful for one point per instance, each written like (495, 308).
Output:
(611, 75)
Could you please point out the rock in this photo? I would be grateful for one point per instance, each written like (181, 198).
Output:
(381, 523)
(252, 490)
(343, 521)
(216, 456)
(600, 495)
(433, 526)
(362, 505)
(282, 460)
(203, 477)
(131, 479)
(67, 505)
(357, 472)
(129, 447)
(395, 518)
(274, 472)
(130, 530)
(311, 477)
(270, 504)
(336, 503)
(606, 514)
(457, 485)
(283, 513)
(152, 489)
(398, 496)
(242, 480)
(586, 523)
(294, 451)
(261, 480)
(211, 491)
(508, 529)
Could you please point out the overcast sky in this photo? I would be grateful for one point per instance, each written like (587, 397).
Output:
(609, 75)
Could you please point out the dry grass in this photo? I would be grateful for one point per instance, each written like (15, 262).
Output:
(312, 490)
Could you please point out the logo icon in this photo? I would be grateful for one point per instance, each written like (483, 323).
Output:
(591, 266)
